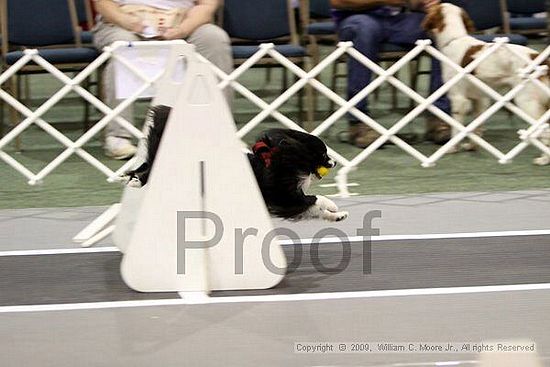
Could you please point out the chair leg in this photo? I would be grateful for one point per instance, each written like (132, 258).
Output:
(2, 112)
(2, 105)
(300, 96)
(394, 101)
(394, 97)
(27, 89)
(414, 69)
(14, 115)
(86, 124)
(376, 92)
(333, 83)
(19, 89)
(315, 57)
(311, 107)
(337, 75)
(99, 83)
(285, 81)
(101, 94)
(307, 122)
(86, 119)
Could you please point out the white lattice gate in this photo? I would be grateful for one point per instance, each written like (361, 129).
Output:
(528, 136)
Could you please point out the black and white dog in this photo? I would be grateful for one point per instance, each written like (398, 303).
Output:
(284, 162)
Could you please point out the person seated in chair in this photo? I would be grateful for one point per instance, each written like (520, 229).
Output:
(369, 24)
(139, 20)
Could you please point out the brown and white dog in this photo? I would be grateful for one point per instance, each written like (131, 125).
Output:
(450, 25)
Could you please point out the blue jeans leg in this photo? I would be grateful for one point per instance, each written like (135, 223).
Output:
(436, 81)
(366, 33)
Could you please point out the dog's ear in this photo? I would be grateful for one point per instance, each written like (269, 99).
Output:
(468, 22)
(434, 19)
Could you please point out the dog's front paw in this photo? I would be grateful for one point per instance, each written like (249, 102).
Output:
(334, 217)
(329, 210)
(543, 160)
(338, 216)
(326, 209)
(325, 203)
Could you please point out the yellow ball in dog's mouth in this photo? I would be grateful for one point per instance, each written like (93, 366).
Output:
(322, 171)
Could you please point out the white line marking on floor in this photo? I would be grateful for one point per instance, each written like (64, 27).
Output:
(92, 305)
(430, 236)
(308, 241)
(58, 251)
(194, 297)
(377, 294)
(277, 298)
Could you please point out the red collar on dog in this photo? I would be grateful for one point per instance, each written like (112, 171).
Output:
(264, 151)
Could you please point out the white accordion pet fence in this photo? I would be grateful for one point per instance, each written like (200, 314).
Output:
(528, 136)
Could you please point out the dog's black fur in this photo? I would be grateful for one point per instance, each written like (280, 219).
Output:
(295, 158)
(283, 161)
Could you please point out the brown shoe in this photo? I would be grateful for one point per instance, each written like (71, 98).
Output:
(437, 131)
(361, 135)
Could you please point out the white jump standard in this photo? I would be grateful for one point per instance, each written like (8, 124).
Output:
(201, 138)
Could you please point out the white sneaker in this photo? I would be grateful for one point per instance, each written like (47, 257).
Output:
(119, 148)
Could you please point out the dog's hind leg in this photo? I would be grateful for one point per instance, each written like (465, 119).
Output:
(529, 102)
(544, 159)
(461, 106)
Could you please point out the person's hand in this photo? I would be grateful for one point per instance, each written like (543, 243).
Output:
(132, 23)
(172, 33)
(422, 4)
(427, 4)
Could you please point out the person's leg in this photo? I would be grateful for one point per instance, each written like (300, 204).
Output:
(366, 33)
(406, 29)
(436, 81)
(117, 138)
(214, 44)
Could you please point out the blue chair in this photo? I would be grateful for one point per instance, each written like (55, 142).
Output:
(317, 25)
(85, 17)
(49, 26)
(521, 16)
(490, 14)
(252, 22)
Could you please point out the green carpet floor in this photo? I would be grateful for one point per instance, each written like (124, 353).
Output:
(387, 171)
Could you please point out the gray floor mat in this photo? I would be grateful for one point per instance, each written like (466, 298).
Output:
(75, 278)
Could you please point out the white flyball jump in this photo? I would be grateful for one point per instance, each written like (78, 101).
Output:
(200, 223)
